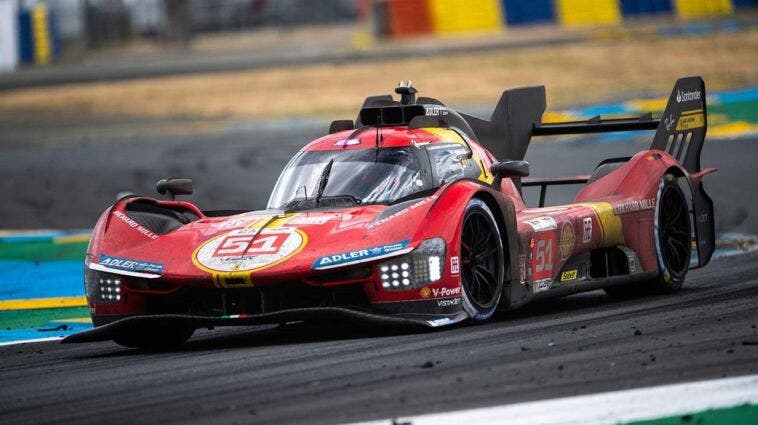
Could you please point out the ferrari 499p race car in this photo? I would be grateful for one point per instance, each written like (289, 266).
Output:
(411, 214)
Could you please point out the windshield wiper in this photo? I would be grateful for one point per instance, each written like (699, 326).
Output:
(323, 180)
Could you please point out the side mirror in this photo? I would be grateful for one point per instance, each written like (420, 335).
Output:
(173, 186)
(506, 169)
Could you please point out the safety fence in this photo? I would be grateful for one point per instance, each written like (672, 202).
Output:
(402, 18)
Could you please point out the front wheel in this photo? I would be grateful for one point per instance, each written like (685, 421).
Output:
(482, 261)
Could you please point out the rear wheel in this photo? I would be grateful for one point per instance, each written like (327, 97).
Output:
(672, 243)
(482, 261)
(155, 338)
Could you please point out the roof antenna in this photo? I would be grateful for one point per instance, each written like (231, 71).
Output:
(378, 123)
(407, 92)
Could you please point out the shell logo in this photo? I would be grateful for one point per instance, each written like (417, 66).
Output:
(425, 292)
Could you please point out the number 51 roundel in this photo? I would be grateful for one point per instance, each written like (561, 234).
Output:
(247, 250)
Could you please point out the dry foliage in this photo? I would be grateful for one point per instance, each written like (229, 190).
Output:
(581, 73)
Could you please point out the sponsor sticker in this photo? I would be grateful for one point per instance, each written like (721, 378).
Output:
(134, 225)
(449, 302)
(542, 285)
(402, 212)
(688, 122)
(455, 265)
(359, 255)
(425, 292)
(129, 265)
(569, 275)
(567, 240)
(347, 142)
(687, 96)
(540, 224)
(250, 249)
(587, 230)
(669, 122)
(634, 206)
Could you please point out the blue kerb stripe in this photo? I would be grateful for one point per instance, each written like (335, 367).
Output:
(21, 279)
(736, 96)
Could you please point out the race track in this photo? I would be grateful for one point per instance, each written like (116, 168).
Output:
(305, 374)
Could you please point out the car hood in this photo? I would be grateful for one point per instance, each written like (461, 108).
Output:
(267, 246)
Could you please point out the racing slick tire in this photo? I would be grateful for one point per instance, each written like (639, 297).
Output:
(672, 243)
(482, 261)
(154, 338)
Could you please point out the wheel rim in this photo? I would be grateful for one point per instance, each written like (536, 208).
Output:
(674, 235)
(480, 260)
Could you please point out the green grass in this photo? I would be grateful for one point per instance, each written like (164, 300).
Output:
(35, 318)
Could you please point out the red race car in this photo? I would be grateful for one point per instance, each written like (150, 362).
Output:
(405, 216)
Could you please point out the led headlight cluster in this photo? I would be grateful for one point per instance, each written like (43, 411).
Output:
(103, 288)
(110, 289)
(419, 268)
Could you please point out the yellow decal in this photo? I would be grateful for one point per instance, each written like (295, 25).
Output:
(425, 292)
(452, 136)
(610, 224)
(568, 275)
(690, 121)
(567, 240)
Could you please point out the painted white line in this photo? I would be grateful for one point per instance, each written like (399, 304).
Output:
(607, 408)
(27, 341)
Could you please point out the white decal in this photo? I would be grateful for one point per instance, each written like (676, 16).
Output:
(540, 224)
(404, 211)
(633, 206)
(542, 285)
(686, 96)
(544, 256)
(449, 302)
(445, 292)
(587, 234)
(134, 225)
(246, 249)
(669, 122)
(455, 266)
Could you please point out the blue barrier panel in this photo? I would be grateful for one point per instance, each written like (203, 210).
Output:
(745, 3)
(645, 7)
(528, 11)
(25, 41)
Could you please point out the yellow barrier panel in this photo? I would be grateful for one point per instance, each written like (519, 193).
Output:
(694, 9)
(583, 13)
(41, 34)
(462, 16)
(43, 303)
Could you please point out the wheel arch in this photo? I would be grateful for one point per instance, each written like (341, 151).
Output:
(505, 215)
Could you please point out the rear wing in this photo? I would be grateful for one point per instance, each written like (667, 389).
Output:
(518, 117)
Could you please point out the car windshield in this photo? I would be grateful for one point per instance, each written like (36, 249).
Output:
(365, 176)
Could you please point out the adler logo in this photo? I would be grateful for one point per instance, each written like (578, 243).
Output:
(686, 96)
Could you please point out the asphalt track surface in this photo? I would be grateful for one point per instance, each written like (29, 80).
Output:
(327, 373)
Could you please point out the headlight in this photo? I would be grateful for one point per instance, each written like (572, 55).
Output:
(102, 288)
(419, 268)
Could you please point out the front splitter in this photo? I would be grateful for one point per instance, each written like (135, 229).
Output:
(109, 331)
